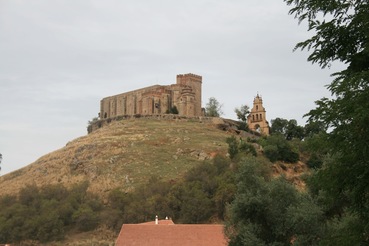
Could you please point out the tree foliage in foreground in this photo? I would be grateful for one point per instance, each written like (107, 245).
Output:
(340, 33)
(270, 211)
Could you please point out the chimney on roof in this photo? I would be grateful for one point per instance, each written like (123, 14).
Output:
(156, 220)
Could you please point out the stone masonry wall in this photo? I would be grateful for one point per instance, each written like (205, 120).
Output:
(157, 99)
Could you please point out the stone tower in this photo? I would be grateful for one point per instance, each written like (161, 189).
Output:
(195, 82)
(256, 120)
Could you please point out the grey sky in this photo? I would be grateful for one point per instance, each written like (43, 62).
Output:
(59, 58)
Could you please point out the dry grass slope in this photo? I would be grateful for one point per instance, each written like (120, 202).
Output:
(124, 154)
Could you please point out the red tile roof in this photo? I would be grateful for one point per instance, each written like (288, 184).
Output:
(166, 233)
(160, 222)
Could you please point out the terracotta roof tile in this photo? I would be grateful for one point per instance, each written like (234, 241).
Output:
(161, 222)
(166, 233)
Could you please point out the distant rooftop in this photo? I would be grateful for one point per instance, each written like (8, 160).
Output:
(166, 233)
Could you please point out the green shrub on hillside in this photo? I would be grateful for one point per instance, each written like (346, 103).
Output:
(277, 148)
(44, 214)
(202, 195)
(314, 161)
(269, 211)
(232, 146)
(235, 147)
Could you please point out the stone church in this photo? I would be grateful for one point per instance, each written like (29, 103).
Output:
(184, 96)
(256, 120)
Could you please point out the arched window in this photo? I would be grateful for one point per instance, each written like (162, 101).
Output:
(261, 117)
(257, 128)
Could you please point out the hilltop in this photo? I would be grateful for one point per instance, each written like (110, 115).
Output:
(118, 160)
(125, 154)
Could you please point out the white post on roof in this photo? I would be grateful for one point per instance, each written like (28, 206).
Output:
(156, 220)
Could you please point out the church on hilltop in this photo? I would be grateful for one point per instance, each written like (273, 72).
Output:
(256, 120)
(183, 98)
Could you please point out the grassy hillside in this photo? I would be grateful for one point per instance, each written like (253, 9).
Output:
(124, 154)
(166, 155)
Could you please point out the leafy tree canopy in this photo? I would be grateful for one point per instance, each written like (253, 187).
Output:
(213, 108)
(340, 33)
(312, 128)
(288, 128)
(242, 112)
(277, 148)
(269, 211)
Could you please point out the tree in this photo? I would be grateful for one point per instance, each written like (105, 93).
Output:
(313, 128)
(288, 128)
(341, 34)
(315, 145)
(172, 110)
(269, 211)
(279, 125)
(92, 122)
(85, 218)
(277, 148)
(340, 29)
(213, 108)
(232, 146)
(294, 130)
(242, 112)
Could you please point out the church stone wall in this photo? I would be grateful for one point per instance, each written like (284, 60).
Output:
(157, 99)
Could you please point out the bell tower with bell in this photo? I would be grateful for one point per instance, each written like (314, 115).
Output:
(256, 120)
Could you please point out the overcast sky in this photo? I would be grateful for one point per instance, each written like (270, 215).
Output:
(59, 58)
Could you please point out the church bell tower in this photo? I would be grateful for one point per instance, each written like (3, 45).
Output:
(256, 120)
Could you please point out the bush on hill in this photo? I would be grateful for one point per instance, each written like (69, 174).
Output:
(277, 148)
(43, 214)
(269, 211)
